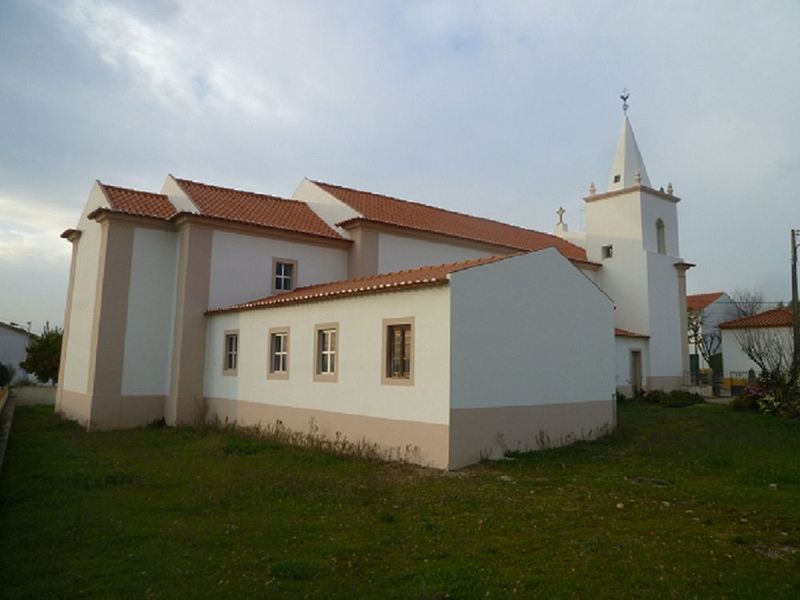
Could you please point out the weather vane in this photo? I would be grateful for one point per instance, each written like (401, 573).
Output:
(624, 97)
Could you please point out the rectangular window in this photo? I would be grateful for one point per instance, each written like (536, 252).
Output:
(326, 348)
(284, 274)
(607, 251)
(278, 353)
(398, 351)
(230, 360)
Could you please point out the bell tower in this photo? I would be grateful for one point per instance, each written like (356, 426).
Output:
(632, 231)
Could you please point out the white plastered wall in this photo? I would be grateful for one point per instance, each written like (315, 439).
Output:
(13, 350)
(734, 359)
(668, 333)
(151, 307)
(84, 289)
(241, 266)
(530, 330)
(328, 208)
(622, 350)
(397, 253)
(358, 389)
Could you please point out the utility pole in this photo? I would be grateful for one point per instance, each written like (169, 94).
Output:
(795, 310)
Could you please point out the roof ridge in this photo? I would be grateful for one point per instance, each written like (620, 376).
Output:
(447, 210)
(238, 190)
(128, 189)
(459, 265)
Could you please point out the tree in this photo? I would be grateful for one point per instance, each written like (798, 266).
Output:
(44, 355)
(770, 348)
(707, 343)
(748, 302)
(5, 375)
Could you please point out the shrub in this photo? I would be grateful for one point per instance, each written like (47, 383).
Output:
(673, 399)
(621, 398)
(678, 398)
(5, 375)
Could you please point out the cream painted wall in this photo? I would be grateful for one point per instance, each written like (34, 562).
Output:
(622, 351)
(529, 330)
(84, 290)
(241, 266)
(151, 307)
(397, 253)
(359, 390)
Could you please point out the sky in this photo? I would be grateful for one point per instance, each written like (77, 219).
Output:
(501, 109)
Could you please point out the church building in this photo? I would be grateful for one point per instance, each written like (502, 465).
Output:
(368, 322)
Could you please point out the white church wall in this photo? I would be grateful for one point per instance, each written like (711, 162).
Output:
(618, 217)
(328, 208)
(532, 361)
(84, 290)
(241, 266)
(654, 208)
(358, 389)
(530, 330)
(397, 253)
(667, 331)
(623, 346)
(150, 317)
(623, 277)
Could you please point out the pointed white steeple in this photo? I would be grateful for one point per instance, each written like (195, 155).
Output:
(628, 168)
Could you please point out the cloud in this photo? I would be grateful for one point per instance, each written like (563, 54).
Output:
(29, 232)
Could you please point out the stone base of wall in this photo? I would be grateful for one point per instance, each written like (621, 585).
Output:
(424, 444)
(478, 433)
(110, 412)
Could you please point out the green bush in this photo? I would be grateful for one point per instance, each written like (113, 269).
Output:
(679, 398)
(673, 399)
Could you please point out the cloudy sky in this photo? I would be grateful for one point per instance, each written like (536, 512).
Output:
(502, 109)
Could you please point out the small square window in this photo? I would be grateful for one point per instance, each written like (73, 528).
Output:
(617, 178)
(284, 275)
(230, 360)
(278, 367)
(607, 251)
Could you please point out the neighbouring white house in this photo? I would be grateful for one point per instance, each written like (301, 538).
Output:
(768, 334)
(429, 335)
(14, 342)
(706, 312)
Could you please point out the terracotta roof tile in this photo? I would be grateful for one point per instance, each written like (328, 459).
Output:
(135, 202)
(373, 284)
(255, 209)
(618, 332)
(413, 215)
(700, 301)
(777, 317)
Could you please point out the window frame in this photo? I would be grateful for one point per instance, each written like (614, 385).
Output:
(607, 251)
(386, 357)
(226, 353)
(327, 376)
(661, 236)
(293, 278)
(271, 333)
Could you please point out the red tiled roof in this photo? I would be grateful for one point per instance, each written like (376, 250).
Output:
(255, 209)
(700, 301)
(373, 284)
(135, 202)
(777, 317)
(630, 334)
(413, 215)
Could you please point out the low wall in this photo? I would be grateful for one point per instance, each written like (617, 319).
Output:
(35, 394)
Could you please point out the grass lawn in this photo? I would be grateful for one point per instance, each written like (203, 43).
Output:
(689, 502)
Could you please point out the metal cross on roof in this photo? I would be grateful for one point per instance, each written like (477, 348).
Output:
(560, 212)
(624, 97)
